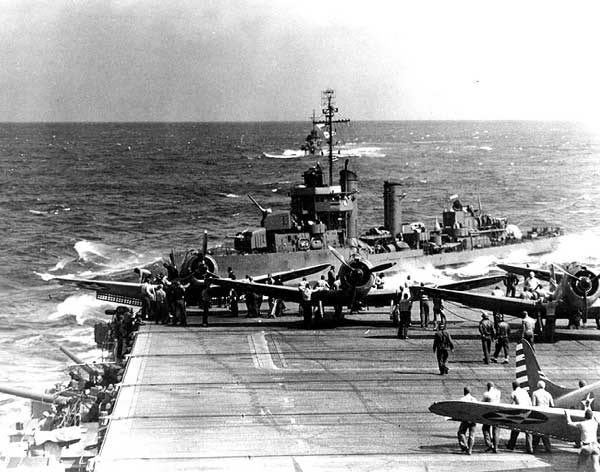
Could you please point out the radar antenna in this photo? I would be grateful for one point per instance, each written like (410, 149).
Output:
(329, 110)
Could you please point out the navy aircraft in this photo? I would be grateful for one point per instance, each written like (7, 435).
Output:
(541, 421)
(577, 289)
(529, 373)
(536, 420)
(130, 293)
(356, 282)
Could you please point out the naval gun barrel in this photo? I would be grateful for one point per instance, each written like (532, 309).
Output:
(258, 205)
(41, 397)
(264, 211)
(90, 370)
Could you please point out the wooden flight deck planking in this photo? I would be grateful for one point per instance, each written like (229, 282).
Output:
(257, 394)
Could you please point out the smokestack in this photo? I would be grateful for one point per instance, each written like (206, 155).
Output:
(349, 184)
(392, 207)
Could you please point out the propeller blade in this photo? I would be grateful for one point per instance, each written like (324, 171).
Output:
(382, 267)
(205, 243)
(565, 272)
(339, 257)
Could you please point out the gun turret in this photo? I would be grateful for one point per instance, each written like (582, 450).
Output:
(264, 211)
(41, 397)
(88, 369)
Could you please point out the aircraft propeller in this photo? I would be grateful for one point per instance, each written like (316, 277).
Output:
(358, 274)
(583, 285)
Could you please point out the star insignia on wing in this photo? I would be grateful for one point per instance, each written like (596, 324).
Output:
(516, 417)
(587, 403)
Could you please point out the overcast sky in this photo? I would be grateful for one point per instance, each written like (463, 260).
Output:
(248, 60)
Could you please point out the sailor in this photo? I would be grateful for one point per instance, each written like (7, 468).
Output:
(511, 281)
(502, 335)
(530, 282)
(148, 299)
(542, 398)
(497, 292)
(143, 274)
(466, 430)
(305, 304)
(490, 433)
(331, 276)
(528, 327)
(270, 300)
(486, 333)
(303, 283)
(378, 282)
(250, 301)
(519, 396)
(162, 309)
(588, 438)
(442, 344)
(424, 307)
(278, 305)
(438, 310)
(179, 303)
(172, 272)
(404, 308)
(233, 298)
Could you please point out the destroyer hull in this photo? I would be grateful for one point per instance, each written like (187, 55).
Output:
(254, 264)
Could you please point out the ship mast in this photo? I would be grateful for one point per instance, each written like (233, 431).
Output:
(329, 110)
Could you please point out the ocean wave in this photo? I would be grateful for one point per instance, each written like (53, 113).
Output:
(80, 307)
(101, 259)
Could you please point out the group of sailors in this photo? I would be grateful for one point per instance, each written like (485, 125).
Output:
(163, 296)
(519, 396)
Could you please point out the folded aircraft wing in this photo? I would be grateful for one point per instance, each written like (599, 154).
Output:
(379, 297)
(474, 283)
(288, 275)
(537, 420)
(118, 292)
(283, 292)
(524, 271)
(506, 305)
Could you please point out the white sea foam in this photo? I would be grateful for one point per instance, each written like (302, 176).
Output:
(583, 247)
(88, 250)
(82, 306)
(106, 259)
(44, 276)
(59, 265)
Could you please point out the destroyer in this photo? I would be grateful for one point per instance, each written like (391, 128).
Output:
(313, 143)
(325, 213)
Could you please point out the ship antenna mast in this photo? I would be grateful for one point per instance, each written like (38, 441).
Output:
(329, 110)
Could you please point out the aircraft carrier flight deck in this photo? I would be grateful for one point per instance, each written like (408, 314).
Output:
(269, 395)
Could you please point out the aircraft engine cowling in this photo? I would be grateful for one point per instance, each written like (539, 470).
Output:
(211, 264)
(189, 265)
(584, 286)
(358, 276)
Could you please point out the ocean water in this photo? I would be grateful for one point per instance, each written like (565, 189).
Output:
(99, 199)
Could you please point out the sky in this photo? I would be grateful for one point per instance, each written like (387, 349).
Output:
(269, 60)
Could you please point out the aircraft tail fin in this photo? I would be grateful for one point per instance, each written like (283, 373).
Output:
(521, 369)
(529, 373)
